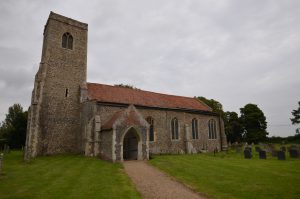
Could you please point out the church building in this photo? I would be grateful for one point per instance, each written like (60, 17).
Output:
(70, 115)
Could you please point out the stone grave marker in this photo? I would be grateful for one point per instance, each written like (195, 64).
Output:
(249, 149)
(262, 154)
(281, 155)
(268, 149)
(294, 153)
(247, 154)
(283, 148)
(293, 147)
(274, 153)
(257, 149)
(238, 149)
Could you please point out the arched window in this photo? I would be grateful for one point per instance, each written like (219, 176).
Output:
(195, 129)
(67, 41)
(151, 130)
(174, 129)
(212, 129)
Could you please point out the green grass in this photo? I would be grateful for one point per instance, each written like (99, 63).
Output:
(232, 176)
(65, 176)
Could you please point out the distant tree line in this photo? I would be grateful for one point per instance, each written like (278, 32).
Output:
(290, 139)
(251, 125)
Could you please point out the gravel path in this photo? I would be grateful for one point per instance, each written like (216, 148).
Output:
(153, 183)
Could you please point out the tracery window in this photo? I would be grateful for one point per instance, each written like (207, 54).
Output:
(174, 129)
(195, 129)
(212, 132)
(151, 129)
(67, 41)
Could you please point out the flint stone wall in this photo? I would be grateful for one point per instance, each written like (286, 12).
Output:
(162, 129)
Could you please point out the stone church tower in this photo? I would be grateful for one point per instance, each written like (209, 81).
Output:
(54, 114)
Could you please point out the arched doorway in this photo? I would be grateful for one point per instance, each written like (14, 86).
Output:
(130, 145)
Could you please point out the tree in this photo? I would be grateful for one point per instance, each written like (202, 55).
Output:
(233, 127)
(13, 129)
(215, 105)
(254, 123)
(296, 114)
(127, 86)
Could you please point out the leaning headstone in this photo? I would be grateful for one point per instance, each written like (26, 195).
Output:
(281, 155)
(257, 149)
(247, 154)
(262, 154)
(294, 153)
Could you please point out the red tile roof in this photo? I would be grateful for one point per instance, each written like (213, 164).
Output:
(108, 125)
(116, 94)
(128, 116)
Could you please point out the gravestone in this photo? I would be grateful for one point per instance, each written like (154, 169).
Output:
(274, 153)
(6, 148)
(262, 154)
(215, 151)
(281, 155)
(257, 149)
(293, 147)
(238, 149)
(249, 149)
(268, 149)
(283, 148)
(247, 154)
(294, 153)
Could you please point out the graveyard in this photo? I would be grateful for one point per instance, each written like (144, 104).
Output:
(233, 174)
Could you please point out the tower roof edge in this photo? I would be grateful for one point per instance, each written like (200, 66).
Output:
(67, 20)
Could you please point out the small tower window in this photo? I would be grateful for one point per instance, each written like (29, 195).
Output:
(67, 41)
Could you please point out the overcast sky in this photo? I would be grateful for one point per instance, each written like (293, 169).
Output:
(236, 52)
